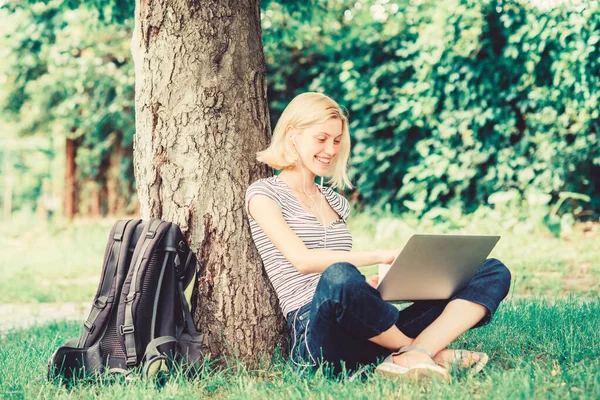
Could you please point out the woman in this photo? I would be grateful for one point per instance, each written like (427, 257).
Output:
(333, 314)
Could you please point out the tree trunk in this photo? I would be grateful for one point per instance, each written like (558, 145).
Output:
(113, 194)
(95, 206)
(70, 183)
(129, 199)
(120, 192)
(101, 185)
(201, 116)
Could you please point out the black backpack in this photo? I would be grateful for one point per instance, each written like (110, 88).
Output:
(140, 316)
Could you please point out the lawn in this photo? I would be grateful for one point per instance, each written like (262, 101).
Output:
(538, 350)
(544, 342)
(48, 263)
(61, 262)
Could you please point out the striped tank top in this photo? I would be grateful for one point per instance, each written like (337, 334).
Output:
(293, 288)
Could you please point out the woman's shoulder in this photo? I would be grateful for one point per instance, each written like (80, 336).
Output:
(269, 182)
(267, 186)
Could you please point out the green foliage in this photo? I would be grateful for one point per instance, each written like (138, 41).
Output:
(451, 101)
(68, 72)
(553, 221)
(23, 167)
(115, 11)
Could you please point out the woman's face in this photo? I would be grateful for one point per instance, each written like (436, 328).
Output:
(318, 145)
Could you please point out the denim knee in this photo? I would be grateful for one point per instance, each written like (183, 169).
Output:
(344, 298)
(502, 275)
(488, 287)
(338, 276)
(339, 273)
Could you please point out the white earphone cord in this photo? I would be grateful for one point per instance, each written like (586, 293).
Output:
(315, 203)
(324, 247)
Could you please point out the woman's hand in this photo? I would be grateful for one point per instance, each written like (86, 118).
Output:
(387, 256)
(374, 281)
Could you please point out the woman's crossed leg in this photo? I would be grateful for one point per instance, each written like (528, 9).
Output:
(350, 324)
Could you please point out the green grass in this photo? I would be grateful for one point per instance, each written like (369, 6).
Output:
(56, 263)
(63, 262)
(538, 350)
(544, 342)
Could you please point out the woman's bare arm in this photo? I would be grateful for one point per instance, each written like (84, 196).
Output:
(267, 214)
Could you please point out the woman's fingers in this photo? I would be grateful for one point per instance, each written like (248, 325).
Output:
(374, 281)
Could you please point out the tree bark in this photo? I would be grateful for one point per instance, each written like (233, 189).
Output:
(70, 181)
(201, 116)
(95, 206)
(114, 199)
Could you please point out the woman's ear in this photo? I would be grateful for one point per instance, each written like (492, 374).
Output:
(290, 131)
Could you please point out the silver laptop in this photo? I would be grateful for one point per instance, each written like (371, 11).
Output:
(432, 267)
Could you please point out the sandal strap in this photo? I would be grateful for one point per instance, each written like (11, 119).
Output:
(415, 348)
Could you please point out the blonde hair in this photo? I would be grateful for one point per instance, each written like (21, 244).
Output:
(303, 111)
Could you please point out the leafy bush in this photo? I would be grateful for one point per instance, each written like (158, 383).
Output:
(451, 101)
(67, 73)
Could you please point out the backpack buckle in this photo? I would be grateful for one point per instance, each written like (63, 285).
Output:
(150, 234)
(99, 303)
(178, 274)
(124, 329)
(89, 326)
(130, 297)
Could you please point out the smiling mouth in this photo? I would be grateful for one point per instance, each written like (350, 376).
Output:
(323, 161)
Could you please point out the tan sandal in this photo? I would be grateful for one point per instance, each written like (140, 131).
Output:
(417, 372)
(456, 362)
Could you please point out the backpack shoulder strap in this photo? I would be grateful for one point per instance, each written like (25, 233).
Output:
(187, 273)
(127, 329)
(185, 264)
(190, 268)
(187, 314)
(112, 262)
(184, 259)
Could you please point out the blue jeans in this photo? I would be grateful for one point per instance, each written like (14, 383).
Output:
(346, 311)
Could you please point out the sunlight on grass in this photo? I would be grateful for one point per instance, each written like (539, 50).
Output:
(63, 262)
(537, 350)
(56, 263)
(544, 342)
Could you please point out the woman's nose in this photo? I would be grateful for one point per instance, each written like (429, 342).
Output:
(330, 148)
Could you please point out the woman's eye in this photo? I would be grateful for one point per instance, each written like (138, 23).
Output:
(321, 140)
(337, 141)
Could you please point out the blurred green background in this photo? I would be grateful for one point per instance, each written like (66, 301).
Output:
(456, 107)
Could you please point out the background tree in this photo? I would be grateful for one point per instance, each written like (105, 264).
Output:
(67, 76)
(201, 115)
(454, 105)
